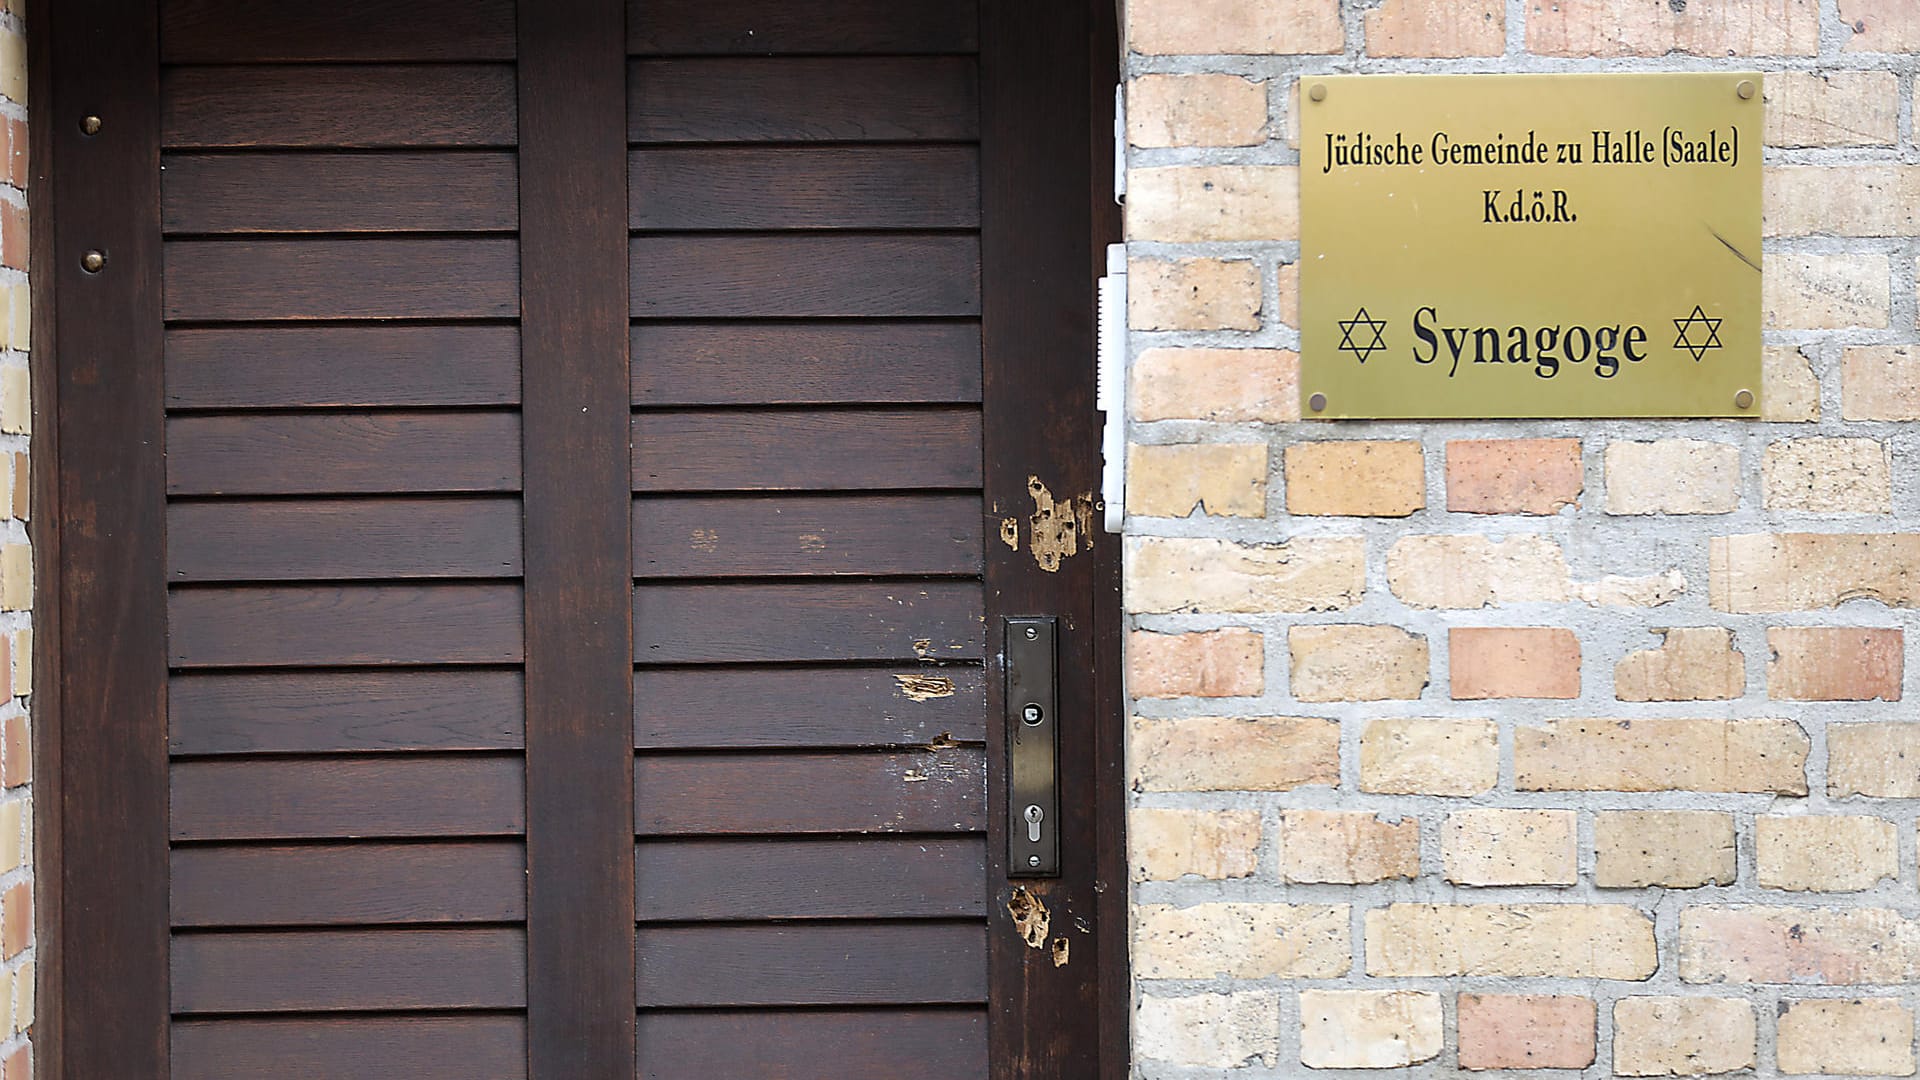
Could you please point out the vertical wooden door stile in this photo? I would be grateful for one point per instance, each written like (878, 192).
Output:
(573, 202)
(1042, 472)
(111, 506)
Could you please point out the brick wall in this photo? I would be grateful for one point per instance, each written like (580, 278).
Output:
(16, 566)
(1567, 745)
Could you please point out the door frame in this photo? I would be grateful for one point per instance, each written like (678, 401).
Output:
(101, 810)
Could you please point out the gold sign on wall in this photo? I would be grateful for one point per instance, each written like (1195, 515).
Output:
(1530, 245)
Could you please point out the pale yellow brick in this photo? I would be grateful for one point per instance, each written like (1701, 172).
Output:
(1761, 573)
(1672, 476)
(1703, 28)
(1357, 663)
(1347, 847)
(1824, 853)
(1840, 200)
(19, 320)
(1662, 755)
(1674, 849)
(1880, 382)
(1249, 27)
(16, 402)
(23, 661)
(1167, 844)
(13, 67)
(1790, 391)
(16, 577)
(23, 1003)
(1196, 110)
(1510, 847)
(1693, 663)
(1166, 574)
(1828, 476)
(1805, 291)
(1226, 385)
(1219, 1031)
(1872, 1037)
(1220, 753)
(1574, 941)
(1193, 294)
(1881, 26)
(1369, 1029)
(1472, 571)
(1811, 945)
(1241, 941)
(12, 834)
(1832, 108)
(1356, 478)
(1881, 760)
(1437, 28)
(1221, 479)
(1407, 756)
(1682, 1036)
(1202, 203)
(1287, 281)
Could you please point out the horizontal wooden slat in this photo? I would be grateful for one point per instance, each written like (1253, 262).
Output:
(315, 193)
(246, 367)
(813, 1044)
(292, 799)
(348, 884)
(326, 971)
(894, 187)
(703, 624)
(346, 711)
(337, 625)
(355, 1048)
(410, 278)
(727, 363)
(816, 964)
(779, 794)
(788, 99)
(840, 449)
(357, 105)
(910, 877)
(343, 453)
(804, 275)
(806, 535)
(253, 31)
(687, 27)
(801, 707)
(328, 539)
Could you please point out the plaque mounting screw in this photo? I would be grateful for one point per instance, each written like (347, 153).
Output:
(1317, 92)
(90, 126)
(1744, 89)
(93, 261)
(1743, 399)
(1318, 402)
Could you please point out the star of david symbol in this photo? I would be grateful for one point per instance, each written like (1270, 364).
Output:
(1378, 342)
(1687, 326)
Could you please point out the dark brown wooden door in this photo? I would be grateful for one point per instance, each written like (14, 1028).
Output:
(537, 492)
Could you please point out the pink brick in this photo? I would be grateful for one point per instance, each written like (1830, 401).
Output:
(1513, 662)
(1513, 476)
(1509, 1031)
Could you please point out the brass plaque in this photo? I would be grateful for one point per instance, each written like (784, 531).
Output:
(1530, 245)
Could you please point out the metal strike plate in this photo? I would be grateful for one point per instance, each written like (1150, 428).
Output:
(1033, 748)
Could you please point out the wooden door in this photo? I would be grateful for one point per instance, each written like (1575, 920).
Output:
(536, 492)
